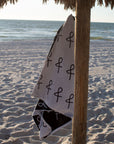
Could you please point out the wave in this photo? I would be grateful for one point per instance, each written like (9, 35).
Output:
(100, 38)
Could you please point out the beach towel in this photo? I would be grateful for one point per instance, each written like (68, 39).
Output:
(55, 87)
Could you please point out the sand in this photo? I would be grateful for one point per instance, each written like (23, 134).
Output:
(20, 65)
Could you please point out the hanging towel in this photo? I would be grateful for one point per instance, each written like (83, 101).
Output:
(55, 87)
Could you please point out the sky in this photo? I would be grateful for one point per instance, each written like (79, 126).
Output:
(35, 10)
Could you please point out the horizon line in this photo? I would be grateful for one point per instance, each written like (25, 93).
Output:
(49, 20)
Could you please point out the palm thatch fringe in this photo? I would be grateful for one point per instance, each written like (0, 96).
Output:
(4, 2)
(72, 3)
(68, 3)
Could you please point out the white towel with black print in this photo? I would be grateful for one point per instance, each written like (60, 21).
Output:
(55, 87)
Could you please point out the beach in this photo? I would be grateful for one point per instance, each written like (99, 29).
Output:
(21, 63)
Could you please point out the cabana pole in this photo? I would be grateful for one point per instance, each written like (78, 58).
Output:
(81, 55)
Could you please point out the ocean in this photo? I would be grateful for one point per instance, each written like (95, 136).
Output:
(16, 30)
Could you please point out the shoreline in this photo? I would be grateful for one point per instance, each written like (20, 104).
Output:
(21, 63)
(92, 39)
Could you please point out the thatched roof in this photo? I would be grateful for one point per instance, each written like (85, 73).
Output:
(68, 3)
(72, 3)
(4, 2)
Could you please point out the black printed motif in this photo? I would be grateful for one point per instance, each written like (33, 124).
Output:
(60, 60)
(48, 58)
(55, 119)
(39, 81)
(49, 86)
(41, 105)
(39, 122)
(44, 125)
(57, 94)
(69, 39)
(69, 100)
(37, 119)
(70, 71)
(58, 36)
(51, 117)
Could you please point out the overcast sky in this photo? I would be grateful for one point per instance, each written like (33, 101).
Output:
(35, 10)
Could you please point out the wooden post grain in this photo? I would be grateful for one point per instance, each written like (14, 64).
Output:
(81, 54)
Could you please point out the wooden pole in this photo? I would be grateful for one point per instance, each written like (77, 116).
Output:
(81, 54)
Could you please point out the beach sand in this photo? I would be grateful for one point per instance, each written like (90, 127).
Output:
(21, 63)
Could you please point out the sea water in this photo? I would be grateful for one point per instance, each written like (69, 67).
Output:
(16, 30)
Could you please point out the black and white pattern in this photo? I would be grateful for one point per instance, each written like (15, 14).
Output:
(55, 87)
(48, 119)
